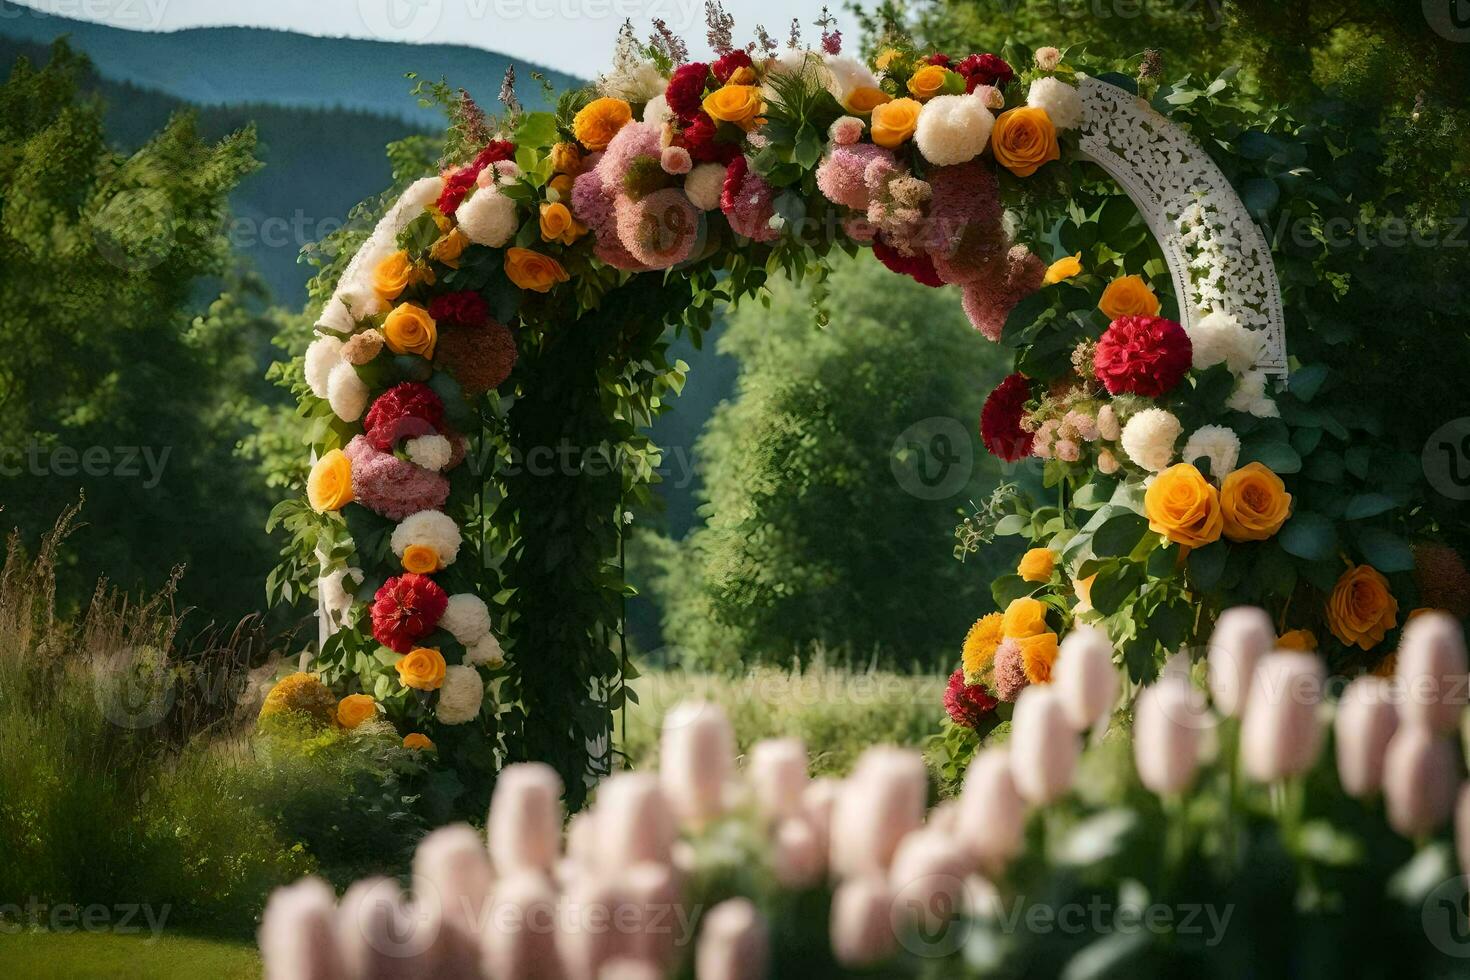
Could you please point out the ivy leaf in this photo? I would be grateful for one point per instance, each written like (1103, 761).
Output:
(1367, 505)
(1008, 588)
(1309, 536)
(1207, 564)
(1385, 550)
(1276, 455)
(1307, 381)
(1120, 535)
(536, 129)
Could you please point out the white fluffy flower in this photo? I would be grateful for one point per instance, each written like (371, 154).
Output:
(433, 528)
(953, 129)
(485, 653)
(324, 354)
(657, 112)
(488, 217)
(1219, 338)
(460, 696)
(431, 452)
(336, 599)
(846, 74)
(845, 130)
(1250, 397)
(466, 617)
(1217, 443)
(346, 392)
(1062, 102)
(361, 300)
(704, 184)
(1048, 58)
(336, 318)
(633, 81)
(1149, 438)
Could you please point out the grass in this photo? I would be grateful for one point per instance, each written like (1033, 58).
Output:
(108, 956)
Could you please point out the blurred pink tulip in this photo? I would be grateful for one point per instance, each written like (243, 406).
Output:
(1242, 635)
(379, 936)
(1281, 734)
(992, 815)
(298, 933)
(1044, 747)
(862, 928)
(928, 881)
(634, 821)
(1419, 780)
(519, 942)
(878, 804)
(798, 859)
(1366, 720)
(1431, 671)
(590, 929)
(653, 893)
(452, 880)
(1085, 677)
(696, 758)
(1462, 828)
(524, 827)
(734, 943)
(1167, 723)
(778, 777)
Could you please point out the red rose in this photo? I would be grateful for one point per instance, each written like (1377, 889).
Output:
(685, 93)
(1142, 355)
(918, 267)
(405, 411)
(985, 69)
(729, 64)
(458, 184)
(496, 151)
(967, 704)
(466, 307)
(406, 609)
(1000, 419)
(734, 177)
(700, 138)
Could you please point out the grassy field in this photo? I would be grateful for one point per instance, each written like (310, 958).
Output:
(104, 956)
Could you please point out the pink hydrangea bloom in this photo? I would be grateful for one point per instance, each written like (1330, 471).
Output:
(1068, 451)
(595, 206)
(392, 487)
(841, 176)
(660, 230)
(1010, 671)
(748, 203)
(676, 160)
(989, 299)
(634, 140)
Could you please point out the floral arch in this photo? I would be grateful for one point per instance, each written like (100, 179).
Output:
(486, 359)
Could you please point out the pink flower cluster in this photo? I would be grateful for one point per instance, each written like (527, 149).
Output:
(989, 298)
(748, 202)
(392, 487)
(637, 224)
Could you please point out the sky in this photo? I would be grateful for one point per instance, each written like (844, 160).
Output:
(575, 36)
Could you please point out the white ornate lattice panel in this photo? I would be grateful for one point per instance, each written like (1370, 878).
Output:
(1218, 257)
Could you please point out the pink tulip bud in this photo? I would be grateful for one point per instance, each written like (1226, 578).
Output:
(817, 804)
(878, 804)
(584, 844)
(525, 818)
(653, 894)
(927, 880)
(298, 933)
(734, 943)
(519, 942)
(1085, 677)
(1167, 723)
(778, 776)
(798, 859)
(634, 821)
(1432, 671)
(862, 926)
(1462, 828)
(379, 936)
(630, 969)
(1044, 747)
(1242, 636)
(696, 757)
(992, 815)
(451, 885)
(1366, 720)
(1281, 734)
(1419, 780)
(591, 932)
(944, 817)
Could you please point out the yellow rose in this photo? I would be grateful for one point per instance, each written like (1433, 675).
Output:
(562, 185)
(865, 98)
(980, 644)
(566, 158)
(1255, 503)
(1303, 640)
(392, 276)
(421, 669)
(417, 740)
(1038, 653)
(420, 559)
(744, 75)
(449, 248)
(532, 270)
(599, 121)
(557, 224)
(927, 82)
(1024, 617)
(355, 709)
(1183, 507)
(894, 122)
(410, 330)
(1361, 609)
(329, 487)
(1128, 296)
(738, 104)
(1036, 565)
(1064, 268)
(1082, 587)
(1023, 139)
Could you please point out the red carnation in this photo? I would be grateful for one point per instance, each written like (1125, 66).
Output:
(458, 184)
(495, 151)
(967, 704)
(406, 609)
(729, 64)
(918, 267)
(685, 93)
(404, 411)
(985, 69)
(1000, 419)
(942, 60)
(465, 307)
(1142, 355)
(734, 177)
(700, 138)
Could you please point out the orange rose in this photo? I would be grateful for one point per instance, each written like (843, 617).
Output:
(1024, 617)
(894, 122)
(1023, 139)
(1064, 268)
(566, 158)
(562, 185)
(410, 330)
(532, 270)
(329, 487)
(599, 121)
(865, 98)
(1036, 565)
(449, 248)
(421, 669)
(558, 225)
(417, 740)
(1128, 296)
(392, 276)
(1038, 653)
(738, 104)
(1183, 507)
(1082, 587)
(927, 82)
(421, 559)
(1361, 609)
(355, 709)
(1255, 503)
(1304, 641)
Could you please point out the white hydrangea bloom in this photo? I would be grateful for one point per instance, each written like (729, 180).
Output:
(1219, 338)
(322, 355)
(428, 527)
(1149, 438)
(1250, 397)
(1062, 102)
(432, 452)
(488, 217)
(336, 318)
(657, 111)
(460, 696)
(1217, 443)
(953, 129)
(359, 297)
(486, 653)
(467, 618)
(633, 81)
(704, 185)
(346, 392)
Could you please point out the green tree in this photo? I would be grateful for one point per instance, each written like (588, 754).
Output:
(833, 481)
(110, 384)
